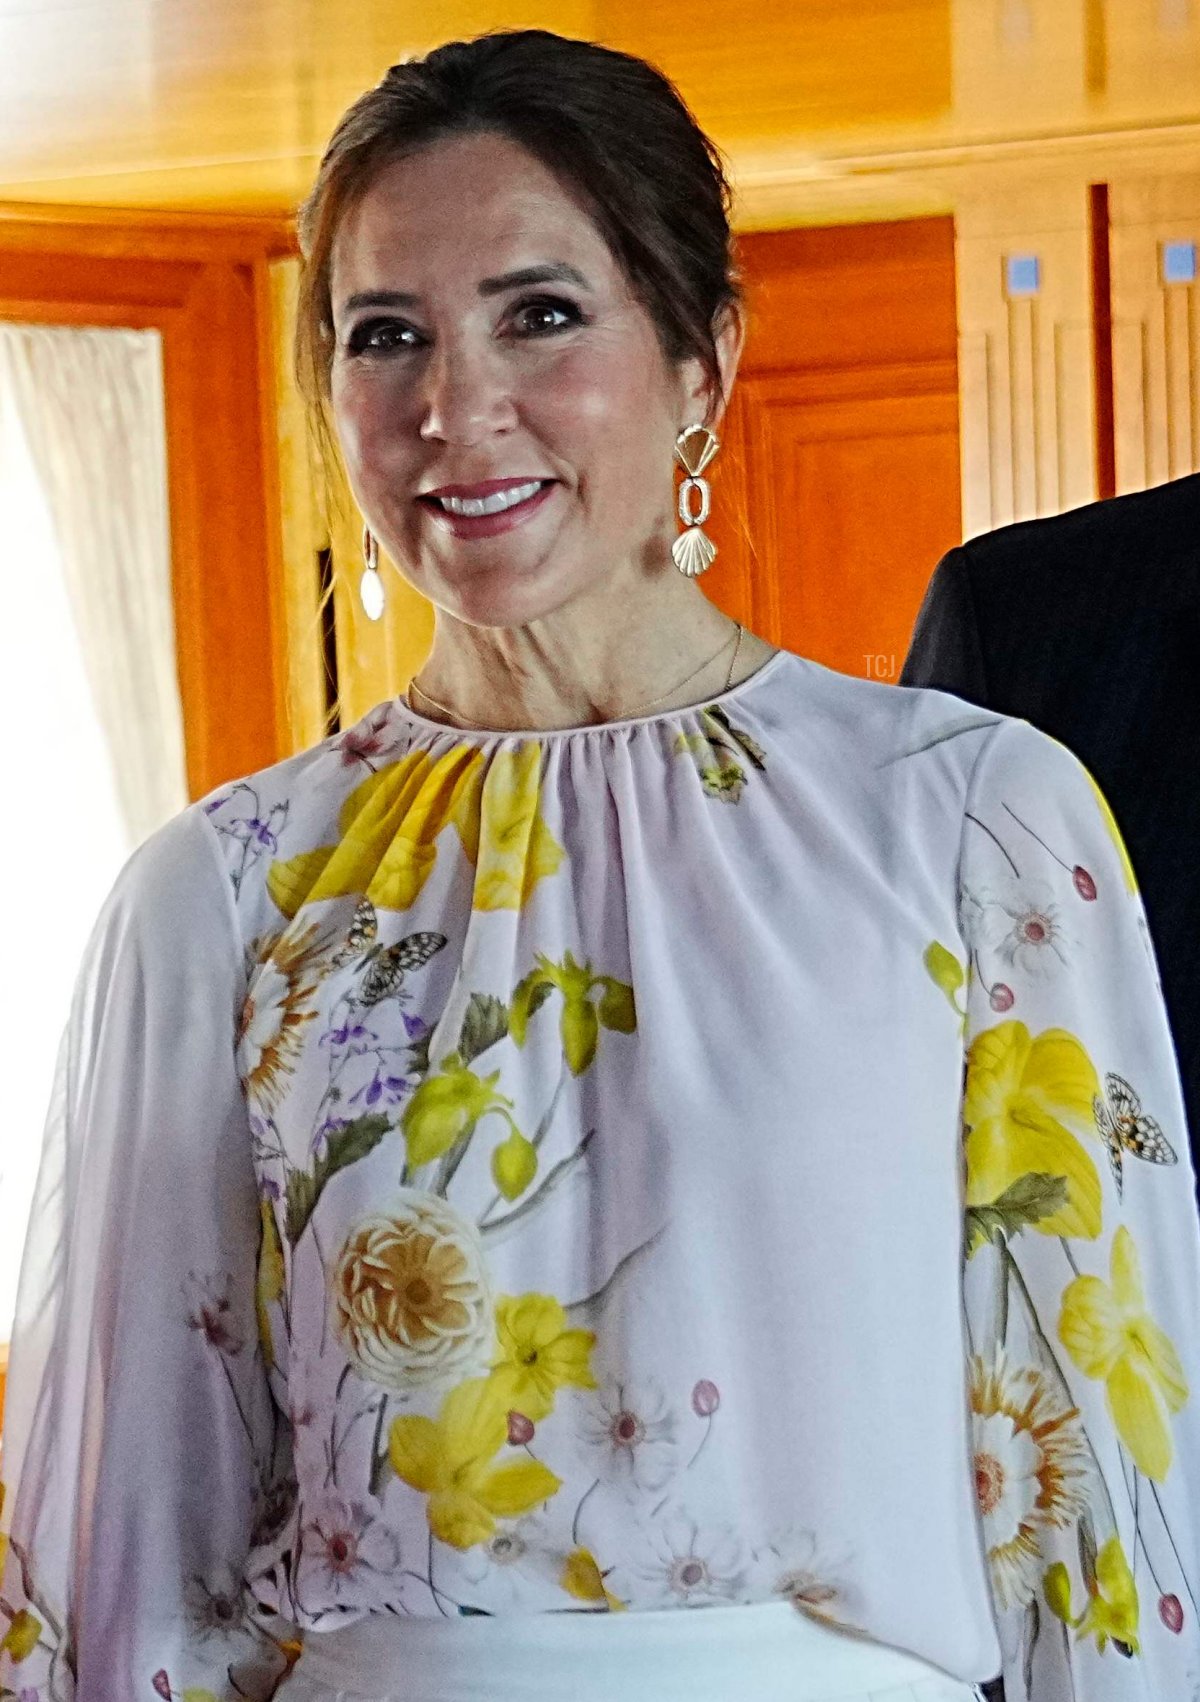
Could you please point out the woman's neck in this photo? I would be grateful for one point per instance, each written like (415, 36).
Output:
(568, 670)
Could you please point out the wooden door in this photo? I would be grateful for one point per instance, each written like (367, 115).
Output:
(201, 283)
(838, 487)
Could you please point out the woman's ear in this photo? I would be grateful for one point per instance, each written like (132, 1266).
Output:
(729, 335)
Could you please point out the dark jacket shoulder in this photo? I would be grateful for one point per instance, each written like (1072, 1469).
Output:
(1151, 535)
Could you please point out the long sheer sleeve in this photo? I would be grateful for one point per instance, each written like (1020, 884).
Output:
(1082, 1277)
(142, 1446)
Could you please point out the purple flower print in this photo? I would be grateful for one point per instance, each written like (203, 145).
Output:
(389, 1089)
(262, 833)
(355, 1037)
(257, 832)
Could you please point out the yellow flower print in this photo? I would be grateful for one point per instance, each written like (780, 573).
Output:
(515, 847)
(1110, 1335)
(387, 830)
(721, 774)
(446, 1107)
(514, 1165)
(717, 753)
(582, 1019)
(582, 1578)
(946, 972)
(1023, 1097)
(1112, 1610)
(538, 1354)
(21, 1638)
(271, 1277)
(452, 1461)
(390, 824)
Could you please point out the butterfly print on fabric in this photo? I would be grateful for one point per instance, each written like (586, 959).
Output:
(1125, 1128)
(385, 965)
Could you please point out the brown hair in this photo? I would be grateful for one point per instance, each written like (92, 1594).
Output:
(609, 125)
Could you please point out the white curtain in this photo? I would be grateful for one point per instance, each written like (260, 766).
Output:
(93, 739)
(90, 403)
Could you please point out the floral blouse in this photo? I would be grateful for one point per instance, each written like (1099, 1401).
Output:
(727, 1154)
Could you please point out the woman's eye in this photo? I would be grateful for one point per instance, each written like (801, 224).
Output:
(378, 336)
(536, 317)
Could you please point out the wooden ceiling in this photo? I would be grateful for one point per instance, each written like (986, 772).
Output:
(820, 104)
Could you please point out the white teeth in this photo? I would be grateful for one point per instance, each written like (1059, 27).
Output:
(495, 504)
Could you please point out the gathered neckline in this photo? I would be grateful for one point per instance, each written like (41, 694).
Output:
(402, 706)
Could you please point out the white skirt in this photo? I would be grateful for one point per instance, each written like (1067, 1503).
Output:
(763, 1653)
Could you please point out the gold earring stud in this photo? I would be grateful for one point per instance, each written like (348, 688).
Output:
(693, 550)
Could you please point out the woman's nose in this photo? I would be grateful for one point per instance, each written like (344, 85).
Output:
(465, 394)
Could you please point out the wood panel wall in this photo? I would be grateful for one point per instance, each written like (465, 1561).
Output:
(1155, 331)
(1029, 398)
(840, 484)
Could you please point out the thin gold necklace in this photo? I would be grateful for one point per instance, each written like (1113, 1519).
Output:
(414, 685)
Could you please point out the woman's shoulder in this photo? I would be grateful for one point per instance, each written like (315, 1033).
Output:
(873, 722)
(915, 746)
(291, 805)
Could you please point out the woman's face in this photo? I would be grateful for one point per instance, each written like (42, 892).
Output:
(450, 369)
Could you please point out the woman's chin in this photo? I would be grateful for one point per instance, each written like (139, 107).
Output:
(507, 595)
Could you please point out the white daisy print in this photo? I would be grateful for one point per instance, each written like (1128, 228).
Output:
(216, 1607)
(345, 1550)
(676, 1562)
(512, 1557)
(792, 1566)
(630, 1433)
(1030, 1469)
(1020, 922)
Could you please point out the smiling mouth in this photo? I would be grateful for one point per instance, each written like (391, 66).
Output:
(496, 502)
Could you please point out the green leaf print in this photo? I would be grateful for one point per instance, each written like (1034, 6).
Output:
(616, 1007)
(529, 996)
(1030, 1199)
(418, 1054)
(344, 1147)
(485, 1023)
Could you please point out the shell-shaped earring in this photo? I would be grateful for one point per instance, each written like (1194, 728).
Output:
(693, 550)
(370, 586)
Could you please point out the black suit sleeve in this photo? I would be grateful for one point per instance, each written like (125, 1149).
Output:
(946, 651)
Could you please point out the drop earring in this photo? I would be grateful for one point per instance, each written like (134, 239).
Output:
(693, 550)
(370, 586)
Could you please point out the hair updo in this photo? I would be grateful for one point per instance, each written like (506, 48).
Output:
(609, 126)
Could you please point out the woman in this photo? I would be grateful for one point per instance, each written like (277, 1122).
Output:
(512, 1178)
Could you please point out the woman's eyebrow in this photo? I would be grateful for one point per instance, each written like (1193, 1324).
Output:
(554, 272)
